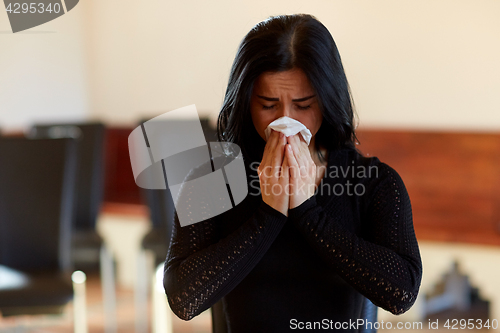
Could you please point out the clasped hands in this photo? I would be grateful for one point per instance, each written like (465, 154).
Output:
(287, 172)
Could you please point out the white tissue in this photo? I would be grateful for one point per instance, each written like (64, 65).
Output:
(289, 127)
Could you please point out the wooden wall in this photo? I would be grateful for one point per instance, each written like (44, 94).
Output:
(453, 179)
(119, 183)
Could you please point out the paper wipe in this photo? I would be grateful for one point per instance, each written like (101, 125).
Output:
(289, 127)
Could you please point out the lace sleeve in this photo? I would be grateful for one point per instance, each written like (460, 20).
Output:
(202, 267)
(386, 266)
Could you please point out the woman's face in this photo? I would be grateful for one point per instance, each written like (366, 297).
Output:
(287, 93)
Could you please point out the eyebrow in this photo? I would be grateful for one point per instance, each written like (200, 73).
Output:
(275, 99)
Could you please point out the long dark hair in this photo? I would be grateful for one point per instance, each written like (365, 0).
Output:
(281, 43)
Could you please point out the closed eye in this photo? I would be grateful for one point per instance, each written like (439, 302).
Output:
(303, 107)
(300, 107)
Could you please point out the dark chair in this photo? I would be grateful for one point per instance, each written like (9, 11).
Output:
(368, 312)
(86, 242)
(161, 213)
(219, 324)
(88, 250)
(154, 248)
(37, 186)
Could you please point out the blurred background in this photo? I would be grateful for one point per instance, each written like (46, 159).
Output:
(425, 78)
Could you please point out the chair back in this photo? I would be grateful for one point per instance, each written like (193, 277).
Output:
(219, 324)
(161, 209)
(90, 171)
(37, 182)
(369, 313)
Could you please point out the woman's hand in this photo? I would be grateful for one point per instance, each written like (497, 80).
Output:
(273, 173)
(302, 170)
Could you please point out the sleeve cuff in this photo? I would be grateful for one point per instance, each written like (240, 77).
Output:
(297, 212)
(271, 211)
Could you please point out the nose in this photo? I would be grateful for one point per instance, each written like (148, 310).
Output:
(285, 110)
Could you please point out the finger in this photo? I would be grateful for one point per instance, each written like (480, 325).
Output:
(285, 168)
(280, 140)
(292, 162)
(273, 137)
(306, 151)
(267, 157)
(303, 148)
(278, 151)
(295, 142)
(297, 152)
(299, 140)
(299, 137)
(271, 141)
(304, 159)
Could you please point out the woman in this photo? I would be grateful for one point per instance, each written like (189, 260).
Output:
(339, 231)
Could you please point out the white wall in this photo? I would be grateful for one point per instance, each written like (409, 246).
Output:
(42, 72)
(412, 63)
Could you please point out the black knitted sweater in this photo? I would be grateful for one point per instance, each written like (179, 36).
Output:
(354, 238)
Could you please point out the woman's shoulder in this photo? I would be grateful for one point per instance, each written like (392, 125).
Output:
(352, 157)
(371, 180)
(350, 163)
